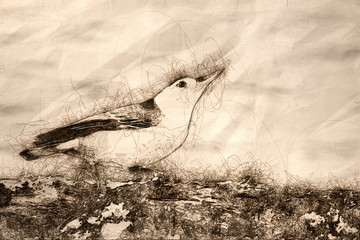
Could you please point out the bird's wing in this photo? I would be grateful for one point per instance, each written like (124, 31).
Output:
(134, 117)
(64, 134)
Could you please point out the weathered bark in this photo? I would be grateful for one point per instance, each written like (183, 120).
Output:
(162, 208)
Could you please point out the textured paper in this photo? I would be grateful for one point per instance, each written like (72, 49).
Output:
(291, 96)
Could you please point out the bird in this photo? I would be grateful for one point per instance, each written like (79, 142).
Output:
(153, 128)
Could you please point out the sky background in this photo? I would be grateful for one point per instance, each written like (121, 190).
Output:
(292, 94)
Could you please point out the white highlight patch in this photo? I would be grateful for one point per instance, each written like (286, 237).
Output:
(73, 224)
(344, 226)
(11, 184)
(46, 193)
(113, 230)
(93, 220)
(114, 185)
(314, 218)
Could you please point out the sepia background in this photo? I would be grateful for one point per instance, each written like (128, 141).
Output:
(291, 97)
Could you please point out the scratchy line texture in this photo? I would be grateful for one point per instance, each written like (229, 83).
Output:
(133, 117)
(45, 143)
(83, 129)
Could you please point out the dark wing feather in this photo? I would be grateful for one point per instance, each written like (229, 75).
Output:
(45, 144)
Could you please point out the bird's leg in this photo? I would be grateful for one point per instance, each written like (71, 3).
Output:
(89, 166)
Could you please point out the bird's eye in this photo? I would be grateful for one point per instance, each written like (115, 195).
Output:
(182, 84)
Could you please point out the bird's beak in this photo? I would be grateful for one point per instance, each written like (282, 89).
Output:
(206, 85)
(213, 78)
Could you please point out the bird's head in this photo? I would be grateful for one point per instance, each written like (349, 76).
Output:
(181, 101)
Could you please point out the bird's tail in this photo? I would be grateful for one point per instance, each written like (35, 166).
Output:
(34, 153)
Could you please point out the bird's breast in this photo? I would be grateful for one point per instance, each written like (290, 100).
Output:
(129, 146)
